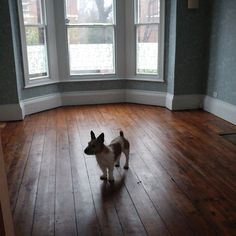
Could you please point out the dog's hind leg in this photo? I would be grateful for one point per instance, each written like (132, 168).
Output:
(126, 152)
(110, 173)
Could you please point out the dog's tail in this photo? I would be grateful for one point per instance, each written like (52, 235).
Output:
(121, 134)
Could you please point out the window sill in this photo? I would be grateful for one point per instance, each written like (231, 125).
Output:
(35, 84)
(148, 79)
(93, 79)
(71, 80)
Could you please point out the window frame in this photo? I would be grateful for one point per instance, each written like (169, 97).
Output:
(124, 46)
(49, 34)
(159, 77)
(91, 76)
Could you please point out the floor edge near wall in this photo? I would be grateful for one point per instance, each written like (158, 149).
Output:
(217, 107)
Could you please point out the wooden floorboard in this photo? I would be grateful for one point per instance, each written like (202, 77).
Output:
(44, 214)
(25, 205)
(181, 180)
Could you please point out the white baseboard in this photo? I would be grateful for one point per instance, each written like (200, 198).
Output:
(41, 103)
(169, 101)
(145, 97)
(184, 102)
(221, 109)
(173, 102)
(92, 97)
(10, 112)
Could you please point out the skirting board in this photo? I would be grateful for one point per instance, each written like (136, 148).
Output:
(38, 104)
(92, 97)
(184, 102)
(41, 103)
(217, 107)
(10, 112)
(145, 97)
(221, 109)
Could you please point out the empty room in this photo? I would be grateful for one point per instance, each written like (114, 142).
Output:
(117, 117)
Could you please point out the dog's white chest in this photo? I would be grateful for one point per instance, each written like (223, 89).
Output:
(105, 161)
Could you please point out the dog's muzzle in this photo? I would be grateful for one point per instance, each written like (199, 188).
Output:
(86, 151)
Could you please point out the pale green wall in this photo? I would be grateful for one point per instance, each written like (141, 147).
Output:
(222, 51)
(8, 84)
(191, 48)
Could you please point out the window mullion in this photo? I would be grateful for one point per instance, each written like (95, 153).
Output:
(89, 25)
(35, 25)
(147, 23)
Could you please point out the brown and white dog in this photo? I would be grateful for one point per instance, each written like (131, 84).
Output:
(108, 156)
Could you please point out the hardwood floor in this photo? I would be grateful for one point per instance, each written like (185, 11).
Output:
(181, 181)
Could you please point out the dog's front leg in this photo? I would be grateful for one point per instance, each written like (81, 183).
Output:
(110, 173)
(117, 162)
(104, 175)
(126, 152)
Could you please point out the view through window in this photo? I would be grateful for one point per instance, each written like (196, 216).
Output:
(90, 31)
(35, 38)
(147, 19)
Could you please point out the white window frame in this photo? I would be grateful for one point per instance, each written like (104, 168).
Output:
(49, 26)
(161, 37)
(91, 75)
(124, 46)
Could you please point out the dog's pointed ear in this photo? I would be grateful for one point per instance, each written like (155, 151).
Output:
(92, 135)
(100, 138)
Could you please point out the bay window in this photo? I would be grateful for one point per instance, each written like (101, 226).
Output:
(75, 40)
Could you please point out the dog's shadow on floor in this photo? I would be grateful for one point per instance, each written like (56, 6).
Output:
(110, 200)
(111, 191)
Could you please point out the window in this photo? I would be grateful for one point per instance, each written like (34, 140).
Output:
(72, 40)
(34, 39)
(91, 35)
(147, 24)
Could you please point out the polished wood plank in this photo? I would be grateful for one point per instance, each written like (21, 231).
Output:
(25, 206)
(17, 166)
(145, 208)
(87, 221)
(149, 173)
(181, 181)
(44, 215)
(130, 209)
(65, 218)
(105, 209)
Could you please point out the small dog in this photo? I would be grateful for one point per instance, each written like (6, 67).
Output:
(108, 156)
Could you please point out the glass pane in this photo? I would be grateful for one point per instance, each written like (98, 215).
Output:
(91, 50)
(148, 11)
(89, 11)
(36, 51)
(147, 49)
(32, 11)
